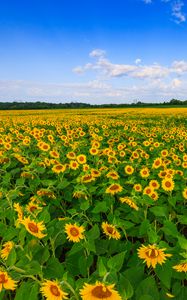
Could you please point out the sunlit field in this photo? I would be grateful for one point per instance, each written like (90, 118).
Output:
(93, 204)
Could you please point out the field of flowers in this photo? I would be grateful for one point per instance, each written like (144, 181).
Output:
(93, 204)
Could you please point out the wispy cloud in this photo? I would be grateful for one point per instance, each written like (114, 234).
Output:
(177, 11)
(137, 70)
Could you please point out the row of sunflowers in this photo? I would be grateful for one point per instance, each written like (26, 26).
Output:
(93, 204)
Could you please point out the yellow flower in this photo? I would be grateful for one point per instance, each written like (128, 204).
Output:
(168, 184)
(157, 163)
(33, 207)
(81, 159)
(7, 247)
(129, 170)
(170, 295)
(99, 291)
(74, 165)
(137, 187)
(152, 255)
(182, 267)
(128, 201)
(6, 282)
(52, 291)
(58, 168)
(154, 184)
(110, 231)
(144, 172)
(33, 227)
(112, 174)
(184, 193)
(74, 232)
(114, 188)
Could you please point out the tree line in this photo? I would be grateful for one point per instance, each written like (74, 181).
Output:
(45, 105)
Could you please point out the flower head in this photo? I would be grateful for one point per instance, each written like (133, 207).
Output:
(99, 291)
(34, 228)
(74, 232)
(110, 231)
(52, 291)
(152, 255)
(7, 282)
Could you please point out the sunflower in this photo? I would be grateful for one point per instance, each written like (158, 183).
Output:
(6, 248)
(52, 291)
(33, 227)
(81, 159)
(114, 188)
(59, 168)
(168, 184)
(71, 155)
(154, 184)
(110, 231)
(154, 195)
(6, 282)
(144, 172)
(137, 187)
(99, 291)
(152, 255)
(87, 178)
(112, 174)
(182, 267)
(54, 154)
(19, 211)
(129, 170)
(74, 232)
(33, 207)
(157, 163)
(148, 190)
(184, 193)
(74, 165)
(94, 151)
(128, 201)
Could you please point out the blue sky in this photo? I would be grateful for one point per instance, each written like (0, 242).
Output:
(93, 51)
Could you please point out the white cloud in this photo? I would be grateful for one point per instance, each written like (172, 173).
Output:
(97, 53)
(177, 11)
(138, 61)
(179, 67)
(102, 65)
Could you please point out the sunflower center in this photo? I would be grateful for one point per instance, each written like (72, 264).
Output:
(101, 292)
(3, 278)
(110, 229)
(58, 167)
(168, 184)
(114, 187)
(54, 290)
(32, 208)
(33, 227)
(74, 231)
(152, 253)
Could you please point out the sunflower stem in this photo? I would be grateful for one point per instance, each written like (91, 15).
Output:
(70, 288)
(105, 277)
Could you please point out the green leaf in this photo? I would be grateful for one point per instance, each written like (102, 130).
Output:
(28, 290)
(159, 211)
(182, 242)
(147, 287)
(12, 258)
(101, 267)
(146, 297)
(100, 207)
(54, 269)
(126, 287)
(93, 233)
(170, 228)
(164, 273)
(116, 262)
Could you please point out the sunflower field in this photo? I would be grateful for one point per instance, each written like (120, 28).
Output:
(93, 204)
